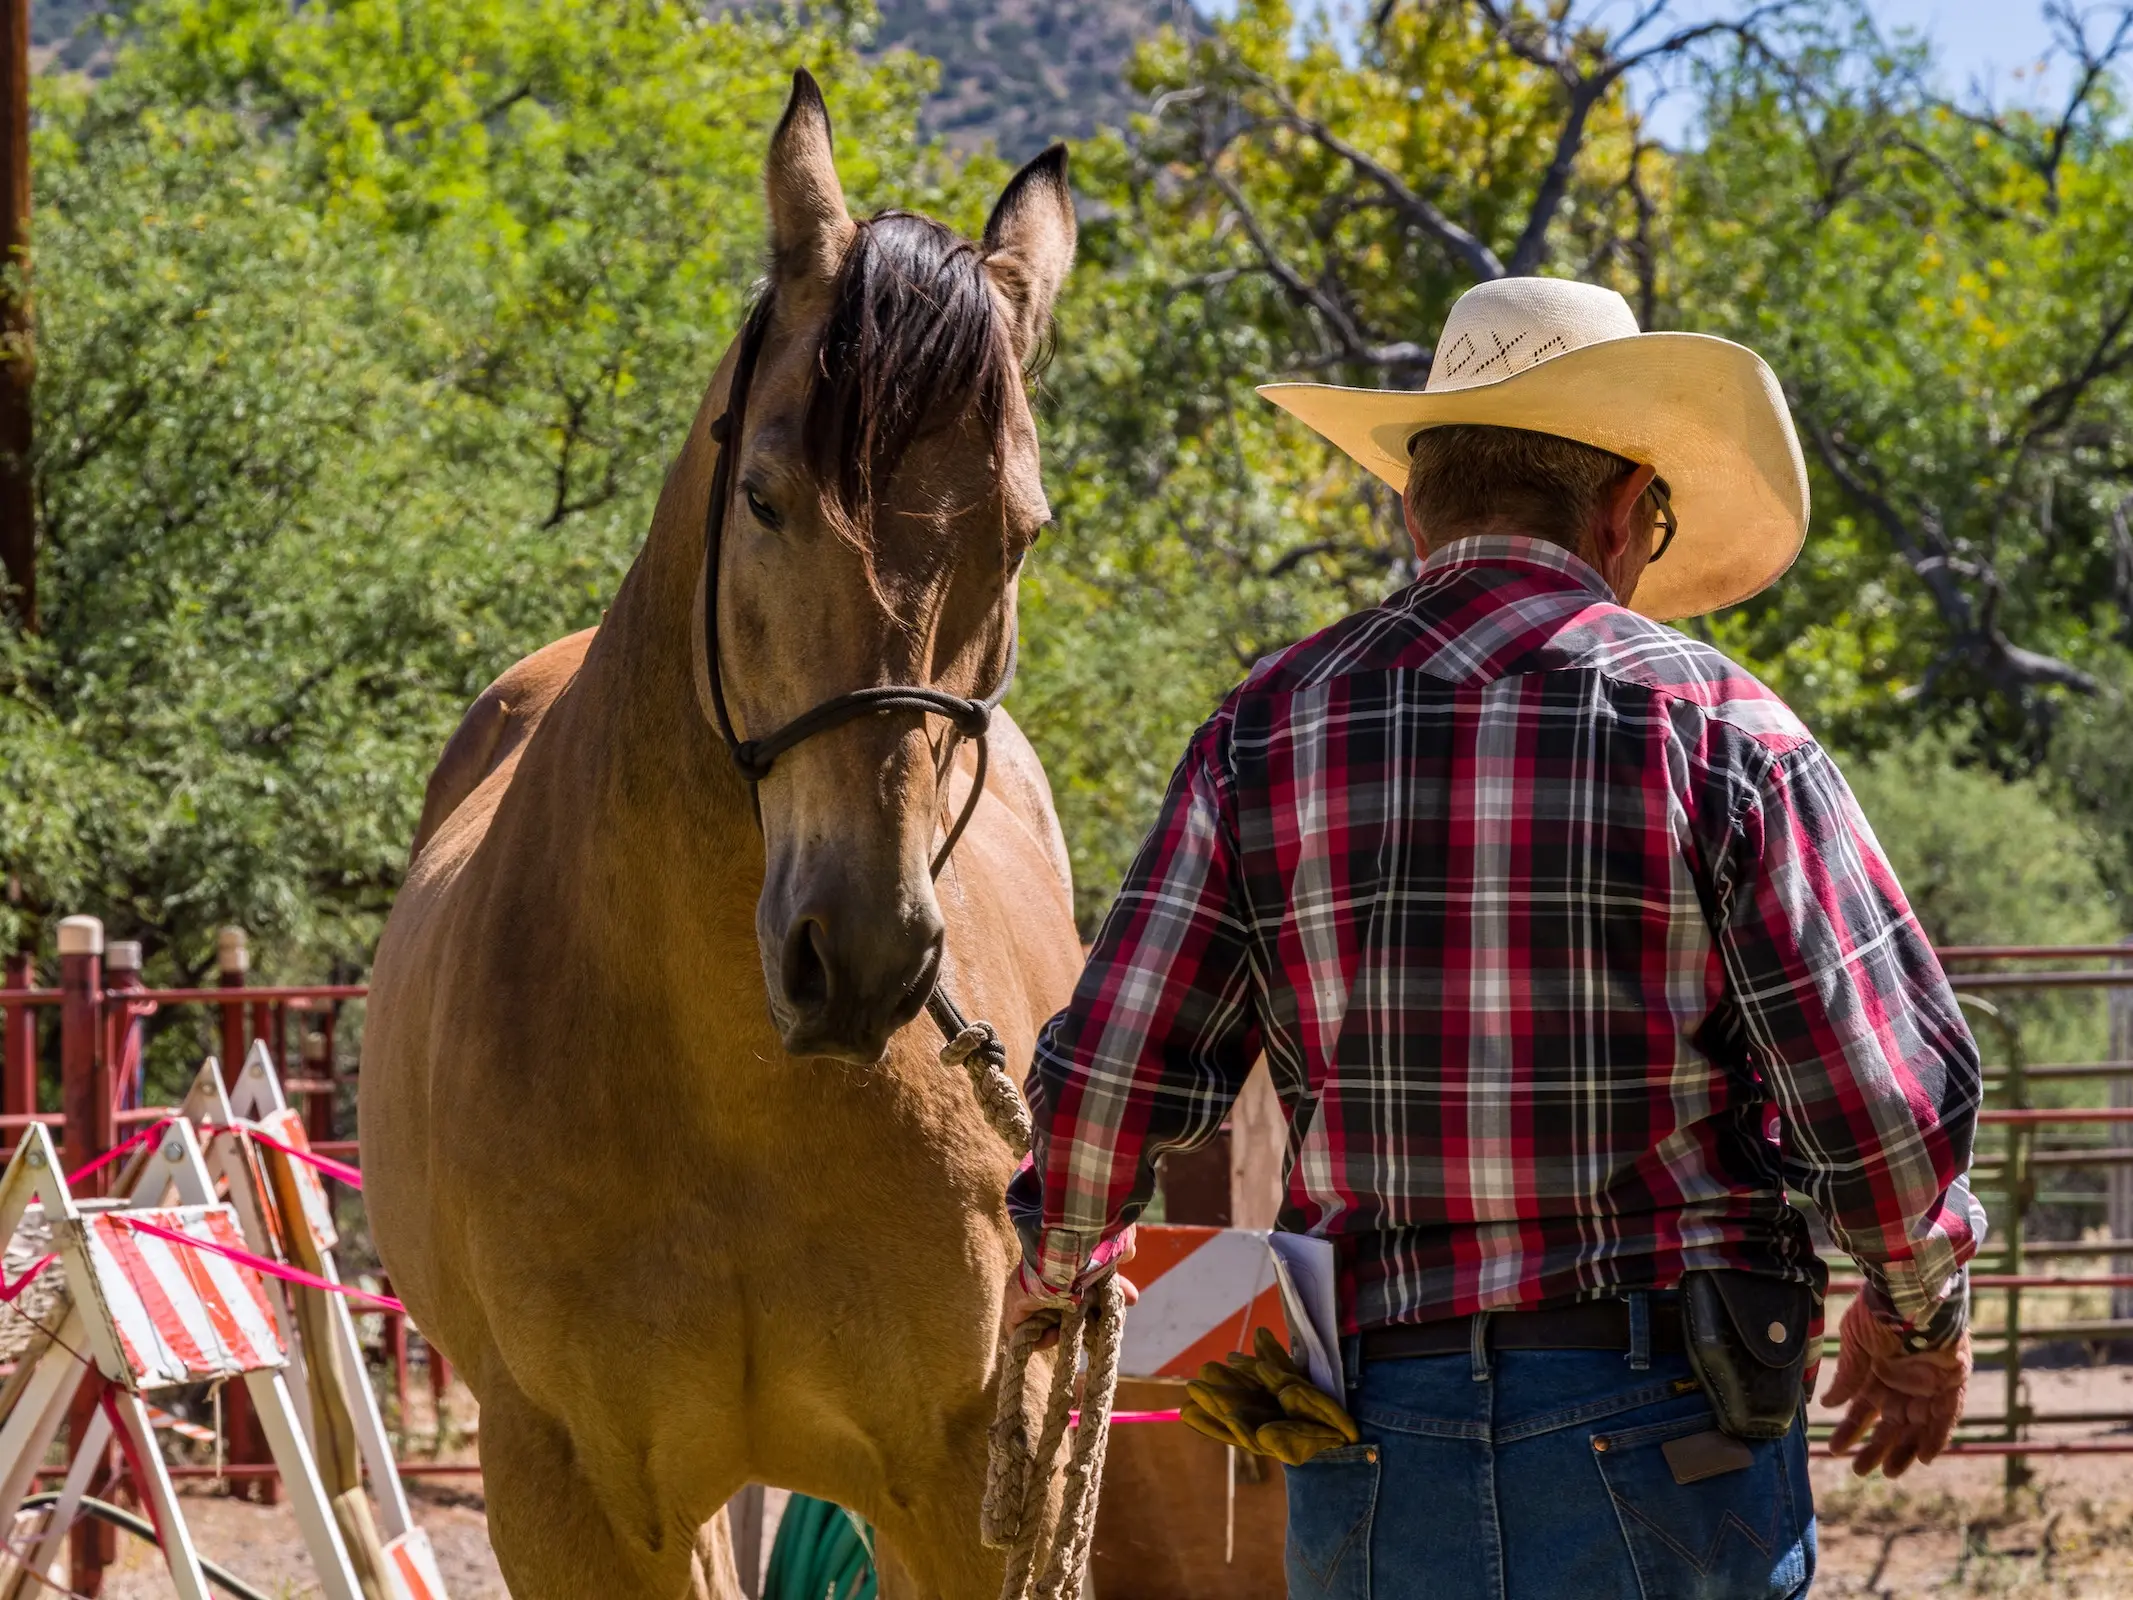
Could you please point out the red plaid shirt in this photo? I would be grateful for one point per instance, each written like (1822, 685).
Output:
(1534, 908)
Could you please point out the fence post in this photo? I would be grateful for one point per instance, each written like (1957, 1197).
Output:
(2118, 1203)
(18, 1083)
(91, 1130)
(84, 1071)
(122, 975)
(233, 959)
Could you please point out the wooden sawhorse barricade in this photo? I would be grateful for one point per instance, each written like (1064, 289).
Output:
(154, 1300)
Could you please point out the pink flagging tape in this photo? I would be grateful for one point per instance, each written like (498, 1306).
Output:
(1119, 1418)
(11, 1292)
(341, 1170)
(124, 1148)
(273, 1269)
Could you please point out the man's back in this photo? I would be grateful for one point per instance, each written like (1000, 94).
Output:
(1510, 885)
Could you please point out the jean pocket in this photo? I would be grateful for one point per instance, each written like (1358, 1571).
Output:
(1333, 1499)
(1735, 1531)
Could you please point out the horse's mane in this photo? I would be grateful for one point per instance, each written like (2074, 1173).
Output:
(914, 341)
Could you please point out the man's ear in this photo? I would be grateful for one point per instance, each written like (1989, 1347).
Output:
(809, 226)
(1029, 244)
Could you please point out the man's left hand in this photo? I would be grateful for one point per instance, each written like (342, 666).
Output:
(1911, 1399)
(1027, 1294)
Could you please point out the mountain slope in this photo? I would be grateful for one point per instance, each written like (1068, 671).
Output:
(1025, 72)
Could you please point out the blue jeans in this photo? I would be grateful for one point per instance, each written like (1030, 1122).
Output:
(1540, 1475)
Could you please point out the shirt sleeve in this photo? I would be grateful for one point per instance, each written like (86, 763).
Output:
(1856, 1031)
(1154, 1047)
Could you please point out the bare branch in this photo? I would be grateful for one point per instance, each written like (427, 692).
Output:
(1974, 635)
(1477, 257)
(1354, 345)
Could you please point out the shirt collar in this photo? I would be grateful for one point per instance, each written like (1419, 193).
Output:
(1513, 550)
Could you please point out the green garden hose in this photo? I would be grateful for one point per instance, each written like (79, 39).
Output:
(822, 1552)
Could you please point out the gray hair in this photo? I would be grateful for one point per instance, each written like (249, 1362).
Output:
(1466, 478)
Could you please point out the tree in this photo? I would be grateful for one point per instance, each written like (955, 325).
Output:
(1947, 294)
(1281, 213)
(367, 336)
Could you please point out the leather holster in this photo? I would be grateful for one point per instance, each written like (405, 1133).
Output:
(1747, 1340)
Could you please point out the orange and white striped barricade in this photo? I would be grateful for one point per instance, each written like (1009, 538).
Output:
(1203, 1291)
(151, 1304)
(253, 1138)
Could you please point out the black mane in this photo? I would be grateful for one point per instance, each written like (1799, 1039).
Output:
(914, 341)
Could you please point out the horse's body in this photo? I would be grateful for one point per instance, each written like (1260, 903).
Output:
(669, 1256)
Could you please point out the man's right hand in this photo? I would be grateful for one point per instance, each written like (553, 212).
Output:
(1911, 1399)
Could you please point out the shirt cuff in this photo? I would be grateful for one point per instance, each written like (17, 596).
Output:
(1946, 1323)
(1065, 1267)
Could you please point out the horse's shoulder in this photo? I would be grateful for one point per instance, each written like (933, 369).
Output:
(496, 727)
(1017, 777)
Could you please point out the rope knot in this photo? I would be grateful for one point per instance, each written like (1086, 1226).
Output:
(978, 1050)
(967, 1044)
(972, 719)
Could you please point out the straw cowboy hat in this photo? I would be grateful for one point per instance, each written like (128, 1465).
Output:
(1554, 356)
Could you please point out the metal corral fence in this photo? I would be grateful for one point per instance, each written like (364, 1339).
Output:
(102, 1007)
(2029, 1160)
(2027, 1154)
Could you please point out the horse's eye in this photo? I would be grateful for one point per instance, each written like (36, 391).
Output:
(760, 509)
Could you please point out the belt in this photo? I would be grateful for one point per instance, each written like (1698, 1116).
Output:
(1590, 1325)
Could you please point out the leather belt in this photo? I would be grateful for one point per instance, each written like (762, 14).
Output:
(1590, 1325)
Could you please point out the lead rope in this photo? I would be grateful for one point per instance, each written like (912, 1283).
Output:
(1016, 1491)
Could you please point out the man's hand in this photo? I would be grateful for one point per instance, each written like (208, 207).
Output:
(1027, 1294)
(1912, 1400)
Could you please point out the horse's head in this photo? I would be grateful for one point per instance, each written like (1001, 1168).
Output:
(881, 495)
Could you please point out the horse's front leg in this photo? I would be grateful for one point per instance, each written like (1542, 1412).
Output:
(554, 1537)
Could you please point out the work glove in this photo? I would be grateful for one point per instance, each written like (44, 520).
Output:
(1262, 1403)
(1911, 1398)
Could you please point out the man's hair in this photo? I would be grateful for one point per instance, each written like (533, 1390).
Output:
(1466, 479)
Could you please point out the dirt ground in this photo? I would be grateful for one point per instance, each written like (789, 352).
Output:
(1949, 1530)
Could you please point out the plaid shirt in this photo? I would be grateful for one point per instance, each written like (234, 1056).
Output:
(1534, 908)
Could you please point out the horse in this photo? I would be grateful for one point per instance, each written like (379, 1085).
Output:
(657, 1147)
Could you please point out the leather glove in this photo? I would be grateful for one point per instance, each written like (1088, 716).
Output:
(1262, 1403)
(1911, 1398)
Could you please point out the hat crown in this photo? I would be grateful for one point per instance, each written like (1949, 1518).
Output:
(1498, 329)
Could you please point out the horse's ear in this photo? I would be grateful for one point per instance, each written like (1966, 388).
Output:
(1029, 243)
(809, 226)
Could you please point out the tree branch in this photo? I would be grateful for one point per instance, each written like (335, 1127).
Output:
(1973, 636)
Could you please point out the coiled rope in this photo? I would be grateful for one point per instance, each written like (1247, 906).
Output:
(1018, 1478)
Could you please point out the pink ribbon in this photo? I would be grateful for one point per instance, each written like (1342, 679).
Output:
(126, 1147)
(1120, 1417)
(10, 1292)
(352, 1176)
(273, 1269)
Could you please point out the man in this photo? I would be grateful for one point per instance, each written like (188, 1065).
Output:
(1568, 950)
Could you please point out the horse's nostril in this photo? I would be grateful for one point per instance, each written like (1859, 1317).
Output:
(807, 978)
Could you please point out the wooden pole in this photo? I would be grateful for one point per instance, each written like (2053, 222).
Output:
(18, 500)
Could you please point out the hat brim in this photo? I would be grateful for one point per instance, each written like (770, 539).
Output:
(1707, 413)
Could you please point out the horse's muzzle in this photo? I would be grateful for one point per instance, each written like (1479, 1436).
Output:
(846, 985)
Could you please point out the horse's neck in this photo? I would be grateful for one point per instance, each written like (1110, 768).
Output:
(631, 742)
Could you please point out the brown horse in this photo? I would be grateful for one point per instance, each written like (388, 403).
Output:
(676, 1238)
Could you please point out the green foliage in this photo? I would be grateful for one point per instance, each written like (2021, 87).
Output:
(1198, 528)
(1989, 860)
(366, 335)
(1945, 298)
